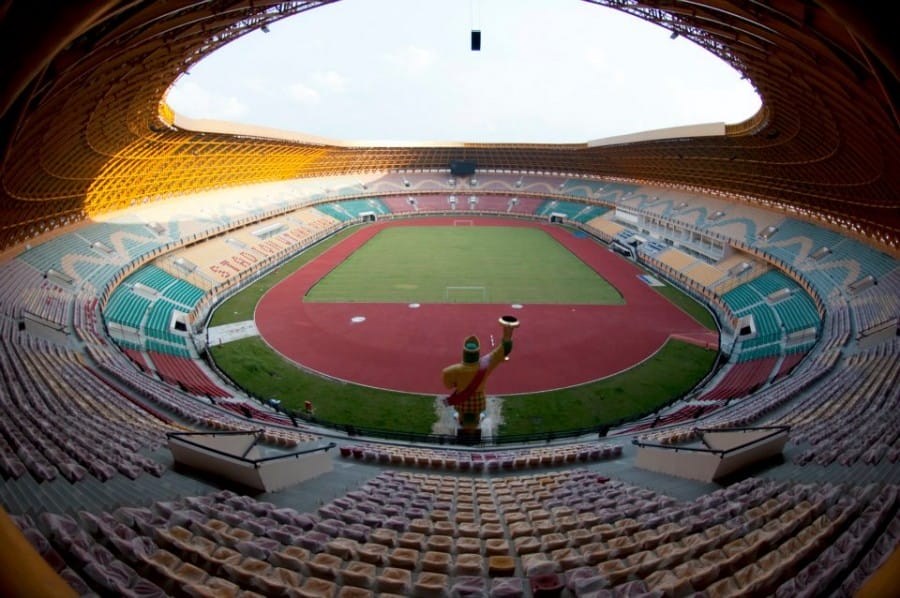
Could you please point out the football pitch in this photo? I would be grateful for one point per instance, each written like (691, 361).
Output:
(464, 264)
(253, 365)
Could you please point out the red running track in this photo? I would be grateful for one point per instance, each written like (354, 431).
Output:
(401, 348)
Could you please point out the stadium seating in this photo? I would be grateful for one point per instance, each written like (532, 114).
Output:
(787, 218)
(562, 531)
(88, 410)
(353, 209)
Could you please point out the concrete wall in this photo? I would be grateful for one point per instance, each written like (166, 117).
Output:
(233, 444)
(683, 464)
(268, 476)
(708, 466)
(741, 458)
(699, 130)
(283, 473)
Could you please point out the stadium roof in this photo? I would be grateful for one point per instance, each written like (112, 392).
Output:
(85, 131)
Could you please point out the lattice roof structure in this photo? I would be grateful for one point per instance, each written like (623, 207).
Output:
(84, 129)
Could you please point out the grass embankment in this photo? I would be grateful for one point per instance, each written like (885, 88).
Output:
(675, 369)
(687, 304)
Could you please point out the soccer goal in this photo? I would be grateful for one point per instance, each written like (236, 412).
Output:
(465, 295)
(463, 223)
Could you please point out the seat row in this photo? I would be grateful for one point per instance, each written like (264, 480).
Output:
(513, 459)
(752, 537)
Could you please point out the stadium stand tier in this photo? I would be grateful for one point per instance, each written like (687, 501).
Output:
(124, 224)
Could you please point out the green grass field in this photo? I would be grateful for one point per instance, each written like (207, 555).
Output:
(674, 370)
(464, 264)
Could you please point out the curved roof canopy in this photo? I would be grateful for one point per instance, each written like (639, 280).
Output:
(84, 130)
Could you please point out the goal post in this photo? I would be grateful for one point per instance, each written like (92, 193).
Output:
(463, 222)
(469, 294)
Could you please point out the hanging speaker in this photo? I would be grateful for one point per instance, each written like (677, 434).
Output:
(476, 40)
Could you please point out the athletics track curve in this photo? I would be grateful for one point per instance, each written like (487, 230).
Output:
(401, 348)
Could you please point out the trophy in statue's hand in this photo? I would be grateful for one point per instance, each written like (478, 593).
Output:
(508, 323)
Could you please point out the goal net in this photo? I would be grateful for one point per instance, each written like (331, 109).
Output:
(463, 223)
(465, 295)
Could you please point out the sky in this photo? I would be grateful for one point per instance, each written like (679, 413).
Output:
(549, 71)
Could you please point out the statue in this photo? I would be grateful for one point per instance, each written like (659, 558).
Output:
(467, 380)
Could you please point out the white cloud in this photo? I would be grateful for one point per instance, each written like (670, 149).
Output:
(695, 104)
(412, 60)
(321, 83)
(596, 59)
(259, 86)
(331, 81)
(195, 101)
(229, 108)
(304, 93)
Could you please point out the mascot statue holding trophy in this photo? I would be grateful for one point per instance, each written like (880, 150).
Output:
(467, 380)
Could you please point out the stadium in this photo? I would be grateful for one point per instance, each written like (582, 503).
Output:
(140, 248)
